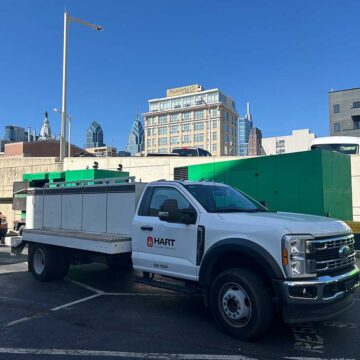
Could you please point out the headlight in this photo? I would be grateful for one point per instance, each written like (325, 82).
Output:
(294, 249)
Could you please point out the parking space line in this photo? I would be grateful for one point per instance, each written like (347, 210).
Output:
(75, 302)
(26, 318)
(85, 286)
(122, 354)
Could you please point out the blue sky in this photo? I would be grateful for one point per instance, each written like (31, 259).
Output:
(283, 56)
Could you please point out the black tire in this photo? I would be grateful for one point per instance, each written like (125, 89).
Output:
(43, 262)
(241, 304)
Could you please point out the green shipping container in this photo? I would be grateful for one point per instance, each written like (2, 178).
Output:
(311, 182)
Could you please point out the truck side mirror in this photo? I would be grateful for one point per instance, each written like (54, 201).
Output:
(169, 211)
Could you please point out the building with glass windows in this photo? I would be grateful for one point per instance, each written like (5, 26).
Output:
(94, 136)
(245, 125)
(192, 117)
(344, 110)
(135, 143)
(14, 133)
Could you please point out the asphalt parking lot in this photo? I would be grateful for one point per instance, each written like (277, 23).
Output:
(94, 313)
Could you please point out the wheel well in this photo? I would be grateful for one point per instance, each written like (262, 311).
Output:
(237, 259)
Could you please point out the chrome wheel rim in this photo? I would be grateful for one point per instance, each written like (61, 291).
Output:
(235, 305)
(39, 261)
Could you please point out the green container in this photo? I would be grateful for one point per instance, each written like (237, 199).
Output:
(92, 174)
(310, 182)
(88, 176)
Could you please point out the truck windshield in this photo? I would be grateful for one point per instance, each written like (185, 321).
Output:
(222, 198)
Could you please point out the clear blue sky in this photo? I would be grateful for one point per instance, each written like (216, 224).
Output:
(283, 56)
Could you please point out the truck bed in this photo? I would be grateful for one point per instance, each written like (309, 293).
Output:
(97, 242)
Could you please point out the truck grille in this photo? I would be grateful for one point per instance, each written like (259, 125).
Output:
(324, 254)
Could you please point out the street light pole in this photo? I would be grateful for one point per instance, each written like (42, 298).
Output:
(63, 111)
(69, 137)
(68, 117)
(67, 19)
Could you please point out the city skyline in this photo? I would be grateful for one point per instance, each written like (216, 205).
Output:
(270, 68)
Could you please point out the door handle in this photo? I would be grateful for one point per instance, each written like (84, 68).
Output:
(148, 228)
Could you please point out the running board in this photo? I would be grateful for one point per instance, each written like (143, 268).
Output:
(168, 286)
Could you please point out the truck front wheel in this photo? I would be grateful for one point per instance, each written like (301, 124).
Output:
(43, 262)
(241, 304)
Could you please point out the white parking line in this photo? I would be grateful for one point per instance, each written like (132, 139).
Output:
(88, 287)
(26, 318)
(75, 302)
(122, 354)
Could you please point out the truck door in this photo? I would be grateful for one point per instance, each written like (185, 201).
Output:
(166, 247)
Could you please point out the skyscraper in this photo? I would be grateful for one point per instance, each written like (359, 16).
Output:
(244, 127)
(136, 138)
(94, 136)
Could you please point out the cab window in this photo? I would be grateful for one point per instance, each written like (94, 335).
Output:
(160, 194)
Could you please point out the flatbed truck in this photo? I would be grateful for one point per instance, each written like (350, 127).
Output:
(197, 237)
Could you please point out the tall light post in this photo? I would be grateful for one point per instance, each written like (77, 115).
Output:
(69, 129)
(67, 20)
(208, 128)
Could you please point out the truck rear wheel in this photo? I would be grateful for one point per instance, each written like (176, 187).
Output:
(43, 262)
(241, 304)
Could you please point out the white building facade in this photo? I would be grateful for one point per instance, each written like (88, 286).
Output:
(192, 117)
(299, 140)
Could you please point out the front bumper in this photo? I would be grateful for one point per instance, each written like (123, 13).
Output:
(318, 299)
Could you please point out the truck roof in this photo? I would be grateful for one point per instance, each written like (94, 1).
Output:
(187, 182)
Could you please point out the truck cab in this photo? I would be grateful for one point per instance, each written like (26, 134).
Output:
(246, 259)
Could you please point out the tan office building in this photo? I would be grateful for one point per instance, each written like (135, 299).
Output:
(191, 117)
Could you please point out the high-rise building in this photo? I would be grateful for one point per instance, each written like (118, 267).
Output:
(255, 137)
(94, 136)
(299, 140)
(15, 134)
(344, 110)
(245, 125)
(192, 117)
(135, 143)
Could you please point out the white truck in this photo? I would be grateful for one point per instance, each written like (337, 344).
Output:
(247, 261)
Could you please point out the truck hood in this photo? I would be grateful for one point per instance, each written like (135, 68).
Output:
(292, 223)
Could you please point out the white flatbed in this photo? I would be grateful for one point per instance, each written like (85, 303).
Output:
(104, 243)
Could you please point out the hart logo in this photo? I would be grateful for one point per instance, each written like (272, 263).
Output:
(150, 241)
(160, 242)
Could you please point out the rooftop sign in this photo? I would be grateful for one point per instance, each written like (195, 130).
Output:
(183, 90)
